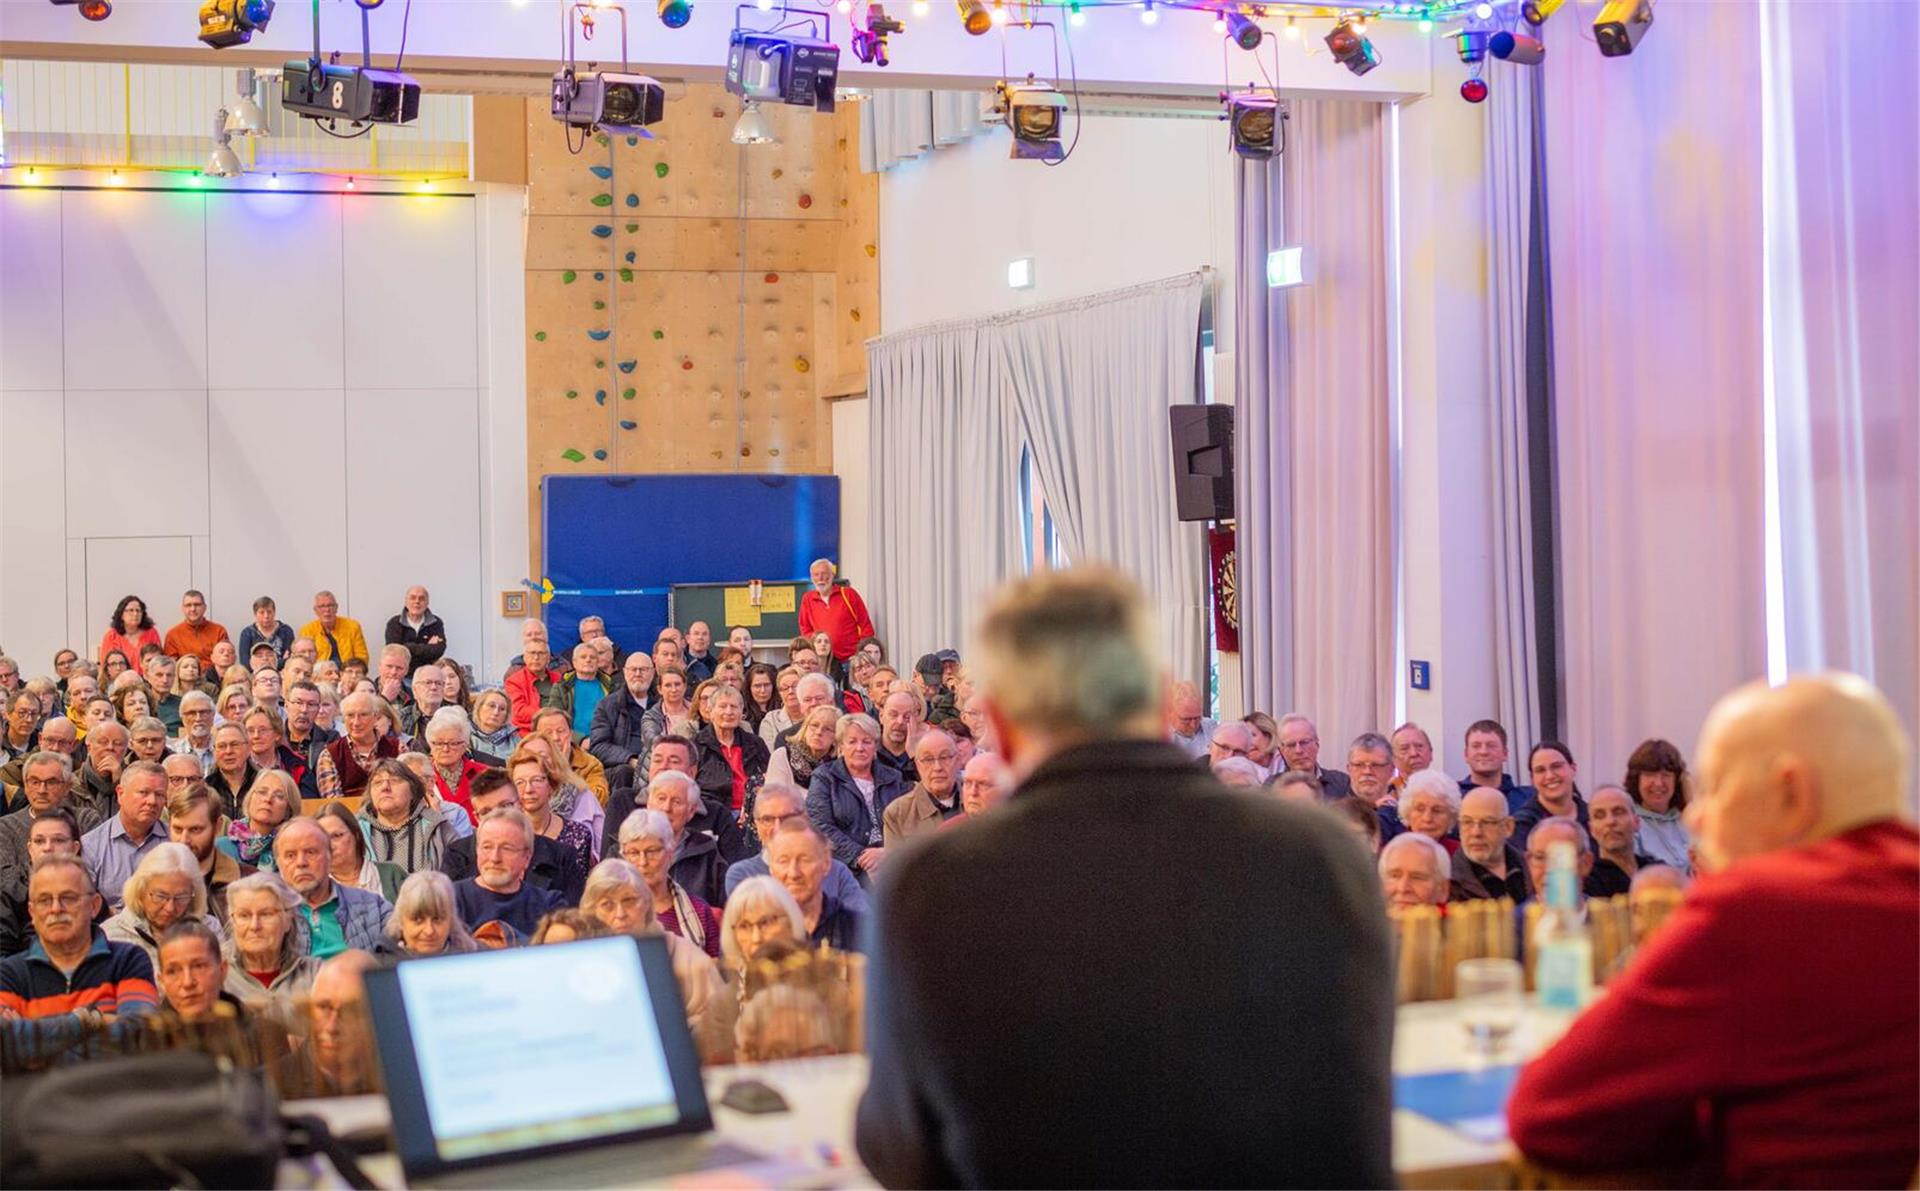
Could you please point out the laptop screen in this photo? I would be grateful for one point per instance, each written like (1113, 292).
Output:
(508, 1053)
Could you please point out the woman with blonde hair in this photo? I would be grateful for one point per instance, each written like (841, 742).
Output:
(617, 897)
(232, 703)
(573, 796)
(541, 788)
(793, 763)
(270, 802)
(759, 911)
(164, 889)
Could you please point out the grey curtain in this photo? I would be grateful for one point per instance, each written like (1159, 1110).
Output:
(898, 126)
(1092, 380)
(945, 481)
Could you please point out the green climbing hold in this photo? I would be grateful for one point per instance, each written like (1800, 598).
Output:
(568, 277)
(601, 139)
(603, 200)
(572, 394)
(632, 228)
(659, 334)
(626, 274)
(540, 336)
(599, 303)
(659, 169)
(628, 394)
(572, 456)
(599, 363)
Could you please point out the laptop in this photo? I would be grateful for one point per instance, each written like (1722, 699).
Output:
(567, 1065)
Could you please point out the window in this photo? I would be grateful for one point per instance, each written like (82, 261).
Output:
(1036, 522)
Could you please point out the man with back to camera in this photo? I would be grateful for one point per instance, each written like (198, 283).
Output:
(1766, 1034)
(1017, 1040)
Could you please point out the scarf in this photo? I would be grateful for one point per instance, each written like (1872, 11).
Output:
(690, 928)
(250, 844)
(802, 760)
(563, 801)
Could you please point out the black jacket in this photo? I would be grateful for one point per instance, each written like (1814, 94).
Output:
(715, 777)
(615, 734)
(553, 867)
(700, 869)
(399, 632)
(1024, 1039)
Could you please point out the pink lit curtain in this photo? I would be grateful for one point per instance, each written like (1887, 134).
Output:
(1314, 520)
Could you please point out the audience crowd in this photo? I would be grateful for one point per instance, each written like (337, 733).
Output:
(200, 823)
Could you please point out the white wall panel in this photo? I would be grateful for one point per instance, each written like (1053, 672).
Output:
(276, 531)
(137, 463)
(30, 300)
(156, 569)
(413, 509)
(135, 279)
(412, 300)
(275, 289)
(33, 530)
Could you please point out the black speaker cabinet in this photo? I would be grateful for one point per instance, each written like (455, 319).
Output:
(1202, 461)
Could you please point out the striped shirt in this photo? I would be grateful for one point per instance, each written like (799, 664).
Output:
(113, 978)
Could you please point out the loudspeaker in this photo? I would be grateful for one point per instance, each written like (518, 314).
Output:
(1202, 461)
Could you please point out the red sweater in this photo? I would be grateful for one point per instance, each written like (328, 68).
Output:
(843, 615)
(1769, 1030)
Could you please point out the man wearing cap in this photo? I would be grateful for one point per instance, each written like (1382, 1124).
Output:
(929, 676)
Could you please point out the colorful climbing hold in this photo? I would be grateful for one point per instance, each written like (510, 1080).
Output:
(628, 394)
(599, 303)
(599, 396)
(632, 140)
(773, 279)
(572, 456)
(802, 364)
(602, 230)
(630, 256)
(626, 274)
(627, 425)
(628, 366)
(539, 336)
(632, 228)
(633, 200)
(602, 172)
(602, 200)
(779, 173)
(600, 454)
(854, 314)
(659, 334)
(686, 365)
(572, 393)
(598, 336)
(599, 363)
(745, 450)
(599, 276)
(873, 250)
(567, 277)
(805, 201)
(659, 169)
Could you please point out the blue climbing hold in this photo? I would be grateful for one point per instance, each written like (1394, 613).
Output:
(602, 172)
(603, 230)
(628, 365)
(599, 396)
(599, 276)
(633, 200)
(630, 255)
(626, 425)
(598, 336)
(601, 454)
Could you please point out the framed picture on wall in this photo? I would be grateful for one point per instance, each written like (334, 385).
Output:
(513, 603)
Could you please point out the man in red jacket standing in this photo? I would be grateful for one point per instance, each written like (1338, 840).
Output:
(836, 610)
(1767, 1035)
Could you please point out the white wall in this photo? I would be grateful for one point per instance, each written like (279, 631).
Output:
(254, 393)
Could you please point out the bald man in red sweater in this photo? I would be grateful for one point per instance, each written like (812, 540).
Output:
(1769, 1035)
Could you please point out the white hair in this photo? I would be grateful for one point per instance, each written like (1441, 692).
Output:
(647, 822)
(167, 860)
(1434, 782)
(811, 682)
(448, 717)
(196, 699)
(1436, 853)
(1238, 767)
(669, 777)
(754, 893)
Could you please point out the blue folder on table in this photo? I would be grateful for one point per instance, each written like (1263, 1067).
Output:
(1471, 1102)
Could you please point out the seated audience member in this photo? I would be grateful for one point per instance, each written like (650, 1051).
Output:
(417, 628)
(1613, 824)
(552, 867)
(984, 785)
(1414, 871)
(934, 798)
(1295, 786)
(1657, 782)
(269, 804)
(51, 834)
(1487, 865)
(233, 770)
(763, 694)
(672, 712)
(183, 771)
(849, 795)
(579, 694)
(129, 629)
(1265, 752)
(1300, 750)
(196, 728)
(449, 736)
(348, 861)
(269, 966)
(82, 688)
(116, 847)
(22, 732)
(499, 891)
(1231, 740)
(494, 733)
(426, 921)
(616, 897)
(162, 674)
(264, 688)
(1189, 728)
(1539, 851)
(617, 736)
(1412, 752)
(1364, 820)
(195, 635)
(900, 716)
(97, 785)
(798, 857)
(72, 971)
(549, 800)
(349, 759)
(147, 740)
(806, 749)
(1555, 792)
(528, 686)
(811, 691)
(47, 783)
(402, 826)
(566, 926)
(760, 913)
(165, 889)
(647, 842)
(337, 916)
(1485, 751)
(1238, 773)
(1766, 1034)
(336, 1058)
(192, 974)
(675, 753)
(131, 700)
(733, 761)
(578, 766)
(335, 637)
(786, 712)
(266, 629)
(1093, 1113)
(781, 804)
(1430, 805)
(1660, 876)
(697, 864)
(428, 686)
(1369, 775)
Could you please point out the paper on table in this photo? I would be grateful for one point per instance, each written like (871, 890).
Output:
(741, 610)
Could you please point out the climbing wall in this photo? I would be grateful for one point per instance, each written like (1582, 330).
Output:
(691, 302)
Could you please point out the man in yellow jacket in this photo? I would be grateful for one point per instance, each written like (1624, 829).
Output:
(334, 636)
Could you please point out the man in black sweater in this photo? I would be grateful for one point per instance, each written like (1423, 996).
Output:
(1116, 1014)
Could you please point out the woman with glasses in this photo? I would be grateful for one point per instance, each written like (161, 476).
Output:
(166, 888)
(646, 842)
(268, 966)
(617, 898)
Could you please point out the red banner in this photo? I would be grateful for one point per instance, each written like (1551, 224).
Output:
(1226, 589)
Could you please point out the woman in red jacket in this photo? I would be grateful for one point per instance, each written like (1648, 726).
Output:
(130, 629)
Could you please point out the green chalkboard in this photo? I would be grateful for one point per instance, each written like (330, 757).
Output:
(688, 602)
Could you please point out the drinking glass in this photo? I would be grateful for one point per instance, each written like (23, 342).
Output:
(1491, 999)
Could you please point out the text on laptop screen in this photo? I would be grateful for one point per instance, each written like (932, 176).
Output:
(536, 1046)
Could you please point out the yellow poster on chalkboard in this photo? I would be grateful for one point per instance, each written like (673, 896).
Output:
(777, 598)
(741, 609)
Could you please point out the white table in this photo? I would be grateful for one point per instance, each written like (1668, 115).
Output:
(823, 1093)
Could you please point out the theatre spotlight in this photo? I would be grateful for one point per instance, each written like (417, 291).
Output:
(674, 14)
(1243, 31)
(226, 23)
(1034, 111)
(603, 101)
(1352, 49)
(1471, 45)
(975, 15)
(1620, 26)
(1254, 120)
(1517, 47)
(93, 10)
(223, 162)
(1537, 11)
(244, 117)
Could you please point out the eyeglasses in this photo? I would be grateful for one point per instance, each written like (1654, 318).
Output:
(1370, 766)
(1479, 824)
(763, 925)
(771, 823)
(66, 901)
(502, 849)
(249, 917)
(641, 855)
(170, 899)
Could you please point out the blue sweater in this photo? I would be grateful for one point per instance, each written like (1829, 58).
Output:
(521, 910)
